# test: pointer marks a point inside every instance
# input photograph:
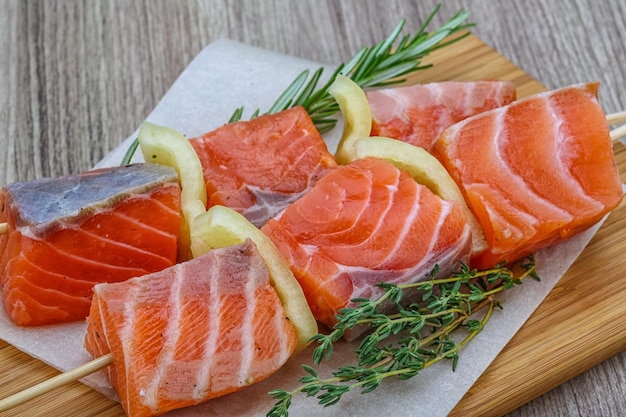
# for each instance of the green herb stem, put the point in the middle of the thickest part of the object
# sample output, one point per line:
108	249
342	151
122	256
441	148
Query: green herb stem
424	330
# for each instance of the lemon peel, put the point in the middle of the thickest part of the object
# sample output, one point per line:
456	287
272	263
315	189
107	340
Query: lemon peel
356	114
166	146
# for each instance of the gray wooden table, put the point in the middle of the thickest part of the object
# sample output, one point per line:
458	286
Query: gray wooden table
78	77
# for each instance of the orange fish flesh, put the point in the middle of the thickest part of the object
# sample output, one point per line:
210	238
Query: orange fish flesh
66	234
365	223
534	172
417	114
198	330
258	167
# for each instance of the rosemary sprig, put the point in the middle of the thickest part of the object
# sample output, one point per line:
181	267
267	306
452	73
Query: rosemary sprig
377	66
423	331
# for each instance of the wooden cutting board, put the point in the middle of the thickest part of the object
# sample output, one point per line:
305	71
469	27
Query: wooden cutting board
581	323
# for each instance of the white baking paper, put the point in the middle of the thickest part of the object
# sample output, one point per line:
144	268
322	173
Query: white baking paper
224	76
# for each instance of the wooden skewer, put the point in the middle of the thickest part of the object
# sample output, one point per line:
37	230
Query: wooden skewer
3	228
619	133
56	382
616	118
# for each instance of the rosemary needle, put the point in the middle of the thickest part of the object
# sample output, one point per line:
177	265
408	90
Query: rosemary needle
384	64
381	65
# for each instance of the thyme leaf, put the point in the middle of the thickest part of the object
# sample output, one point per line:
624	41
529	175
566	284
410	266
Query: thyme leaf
410	336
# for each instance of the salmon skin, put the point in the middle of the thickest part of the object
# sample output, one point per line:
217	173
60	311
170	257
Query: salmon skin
365	223
417	114
534	172
195	331
258	167
66	234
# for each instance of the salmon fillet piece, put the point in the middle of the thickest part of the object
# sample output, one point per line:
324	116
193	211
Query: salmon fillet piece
258	167
534	172
64	235
417	114
198	330
365	223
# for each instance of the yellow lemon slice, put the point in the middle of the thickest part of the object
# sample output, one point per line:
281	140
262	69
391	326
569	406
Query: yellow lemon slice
166	146
356	113
426	170
221	226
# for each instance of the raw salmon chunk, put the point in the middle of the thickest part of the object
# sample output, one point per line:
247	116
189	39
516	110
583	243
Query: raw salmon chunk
365	223
417	114
258	167
195	331
534	172
66	234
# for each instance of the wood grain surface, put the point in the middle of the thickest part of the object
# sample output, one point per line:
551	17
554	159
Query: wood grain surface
77	77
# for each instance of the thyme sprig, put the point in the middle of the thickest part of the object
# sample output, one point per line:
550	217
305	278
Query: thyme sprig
383	64
426	331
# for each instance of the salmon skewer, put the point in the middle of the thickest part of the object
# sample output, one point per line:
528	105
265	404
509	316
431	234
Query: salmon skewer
322	163
138	279
105	359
